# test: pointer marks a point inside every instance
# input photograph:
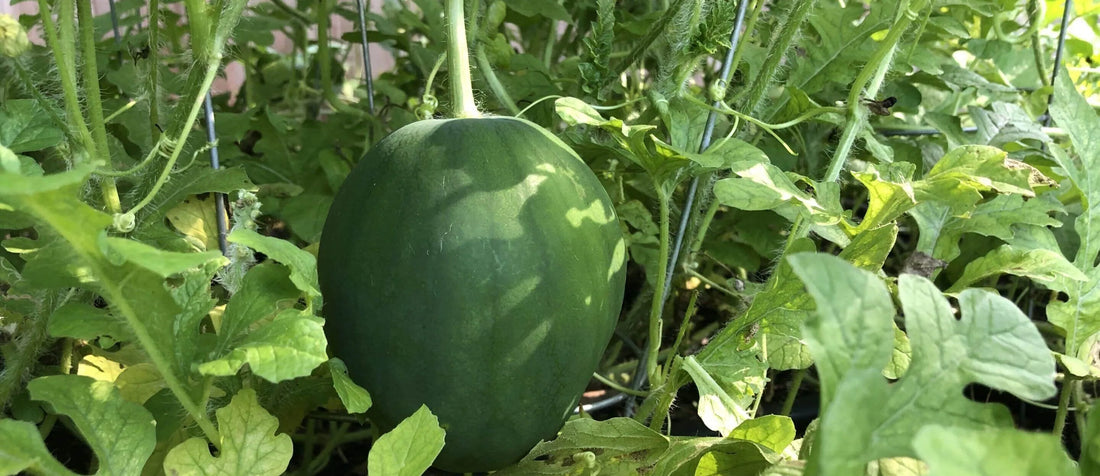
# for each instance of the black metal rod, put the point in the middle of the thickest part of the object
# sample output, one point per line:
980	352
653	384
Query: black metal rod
887	132
708	134
219	198
368	77
114	22
1058	56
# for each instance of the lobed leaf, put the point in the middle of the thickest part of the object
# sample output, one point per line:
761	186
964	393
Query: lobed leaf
248	446
863	418
1078	315
1043	266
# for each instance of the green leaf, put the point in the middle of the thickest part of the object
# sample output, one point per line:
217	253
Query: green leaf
1043	266
291	346
941	229
408	449
23	127
836	52
355	398
686	454
192	295
887	200
303	266
775	432
551	9
725	152
195	180
780	310
574	111
985	166
1074	115
723	406
951	451
623	445
122	434
1079	316
851	328
81	321
728	379
763	186
1076	367
22	449
665	165
863	418
249	445
162	263
264	291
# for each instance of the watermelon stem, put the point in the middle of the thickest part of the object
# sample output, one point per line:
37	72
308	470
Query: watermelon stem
462	90
656	324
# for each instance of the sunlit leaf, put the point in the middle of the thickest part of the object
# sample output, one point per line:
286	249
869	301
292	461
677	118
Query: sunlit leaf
408	449
249	445
951	451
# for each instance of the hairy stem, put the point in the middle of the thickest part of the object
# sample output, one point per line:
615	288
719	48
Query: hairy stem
494	83
655	321
61	39
95	106
750	25
792	394
867	85
458	62
688	314
785	36
1063	405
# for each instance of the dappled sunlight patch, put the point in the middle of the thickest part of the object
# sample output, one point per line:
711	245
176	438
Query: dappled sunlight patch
596	212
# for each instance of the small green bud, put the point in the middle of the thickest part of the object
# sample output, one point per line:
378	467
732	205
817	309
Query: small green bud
717	91
427	106
494	15
13	38
124	222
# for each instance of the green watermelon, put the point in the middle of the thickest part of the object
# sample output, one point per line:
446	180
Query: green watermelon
476	266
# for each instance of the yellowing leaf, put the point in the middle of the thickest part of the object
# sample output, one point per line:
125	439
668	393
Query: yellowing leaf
99	368
196	218
249	445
